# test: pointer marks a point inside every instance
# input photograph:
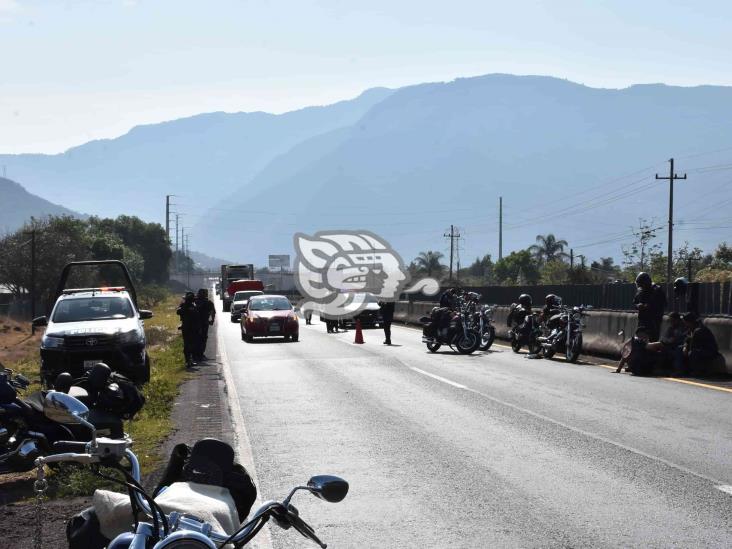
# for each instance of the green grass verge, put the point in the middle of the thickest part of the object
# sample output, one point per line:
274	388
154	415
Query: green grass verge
153	423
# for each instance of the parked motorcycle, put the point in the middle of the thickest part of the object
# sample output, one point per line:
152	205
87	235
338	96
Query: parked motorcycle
480	318
453	328
566	334
26	432
527	334
174	529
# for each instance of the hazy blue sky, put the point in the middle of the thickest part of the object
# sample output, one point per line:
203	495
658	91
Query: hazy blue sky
71	71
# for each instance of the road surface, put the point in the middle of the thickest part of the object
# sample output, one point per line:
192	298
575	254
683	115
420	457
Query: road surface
487	450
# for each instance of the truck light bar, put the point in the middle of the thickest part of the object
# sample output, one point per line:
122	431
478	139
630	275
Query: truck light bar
104	289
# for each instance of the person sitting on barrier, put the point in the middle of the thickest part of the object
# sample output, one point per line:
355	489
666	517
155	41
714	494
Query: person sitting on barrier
700	349
672	342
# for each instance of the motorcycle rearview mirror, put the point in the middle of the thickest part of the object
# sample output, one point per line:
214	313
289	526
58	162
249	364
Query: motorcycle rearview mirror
65	409
40	321
328	487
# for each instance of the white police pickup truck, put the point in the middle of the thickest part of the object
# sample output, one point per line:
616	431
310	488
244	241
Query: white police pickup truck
91	325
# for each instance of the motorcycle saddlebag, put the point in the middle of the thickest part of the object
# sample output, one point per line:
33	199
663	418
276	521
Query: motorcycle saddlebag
211	461
82	531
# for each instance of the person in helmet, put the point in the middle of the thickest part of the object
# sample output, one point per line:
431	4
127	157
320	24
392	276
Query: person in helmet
519	311
551	312
190	327
650	302
207	316
449	298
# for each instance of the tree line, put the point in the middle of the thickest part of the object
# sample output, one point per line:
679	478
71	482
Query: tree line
143	246
547	262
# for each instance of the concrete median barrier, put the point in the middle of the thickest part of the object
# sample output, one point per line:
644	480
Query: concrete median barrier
600	334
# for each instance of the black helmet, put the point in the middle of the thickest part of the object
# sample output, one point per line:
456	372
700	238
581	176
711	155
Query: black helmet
680	285
525	300
643	279
551	300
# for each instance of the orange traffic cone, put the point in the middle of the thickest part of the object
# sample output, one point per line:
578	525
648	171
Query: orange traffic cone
359	333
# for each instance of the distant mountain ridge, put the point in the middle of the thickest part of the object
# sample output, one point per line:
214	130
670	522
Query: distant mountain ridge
18	205
408	163
202	158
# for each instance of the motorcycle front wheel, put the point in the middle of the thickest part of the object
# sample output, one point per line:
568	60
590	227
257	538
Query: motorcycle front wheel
468	344
574	349
535	347
487	338
515	344
433	347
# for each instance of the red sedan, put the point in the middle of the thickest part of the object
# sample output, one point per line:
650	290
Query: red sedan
269	316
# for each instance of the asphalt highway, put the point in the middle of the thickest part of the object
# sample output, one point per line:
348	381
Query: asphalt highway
487	450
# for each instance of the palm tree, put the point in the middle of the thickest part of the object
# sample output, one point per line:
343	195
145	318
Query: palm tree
548	248
430	262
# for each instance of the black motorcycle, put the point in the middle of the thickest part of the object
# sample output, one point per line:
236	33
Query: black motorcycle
453	328
27	433
525	333
564	333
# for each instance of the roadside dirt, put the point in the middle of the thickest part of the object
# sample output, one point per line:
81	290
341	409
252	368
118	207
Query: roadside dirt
16	341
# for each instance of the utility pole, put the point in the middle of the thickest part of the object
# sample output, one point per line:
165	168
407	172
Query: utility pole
671	177
689	259
452	236
167	216
500	228
571	258
32	289
176	243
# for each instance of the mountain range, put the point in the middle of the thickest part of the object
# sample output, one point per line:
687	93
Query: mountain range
18	205
408	163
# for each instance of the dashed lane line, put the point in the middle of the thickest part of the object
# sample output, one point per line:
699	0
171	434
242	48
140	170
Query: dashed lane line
717	484
438	378
674	379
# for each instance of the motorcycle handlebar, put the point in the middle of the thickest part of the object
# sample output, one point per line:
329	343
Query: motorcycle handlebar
70	447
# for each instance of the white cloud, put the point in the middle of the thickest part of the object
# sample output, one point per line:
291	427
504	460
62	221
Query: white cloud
8	6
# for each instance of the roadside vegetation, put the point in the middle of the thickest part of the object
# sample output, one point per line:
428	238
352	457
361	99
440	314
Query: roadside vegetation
153	423
551	261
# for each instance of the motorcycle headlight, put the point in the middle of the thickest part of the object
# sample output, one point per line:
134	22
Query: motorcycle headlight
51	342
133	336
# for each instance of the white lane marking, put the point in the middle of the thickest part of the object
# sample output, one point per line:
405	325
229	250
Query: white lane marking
243	445
438	378
726	488
582	432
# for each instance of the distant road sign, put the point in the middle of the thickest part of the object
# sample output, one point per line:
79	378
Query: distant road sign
279	262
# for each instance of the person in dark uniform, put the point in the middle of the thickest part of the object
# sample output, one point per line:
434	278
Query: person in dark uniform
448	298
701	346
190	327
650	302
518	313
308	317
551	310
387	316
207	315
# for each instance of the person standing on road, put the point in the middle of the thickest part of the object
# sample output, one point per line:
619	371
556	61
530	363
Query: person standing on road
308	317
387	316
190	327
207	315
650	302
